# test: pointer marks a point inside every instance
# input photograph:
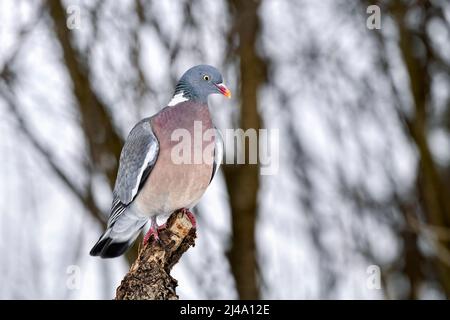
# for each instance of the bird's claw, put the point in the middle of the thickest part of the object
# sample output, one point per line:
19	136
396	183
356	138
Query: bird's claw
154	233
151	232
154	230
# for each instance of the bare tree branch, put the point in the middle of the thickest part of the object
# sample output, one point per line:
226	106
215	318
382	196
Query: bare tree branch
149	277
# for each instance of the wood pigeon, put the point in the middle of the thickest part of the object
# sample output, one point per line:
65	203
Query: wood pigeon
149	182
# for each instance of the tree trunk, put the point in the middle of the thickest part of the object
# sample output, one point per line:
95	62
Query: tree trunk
149	277
243	180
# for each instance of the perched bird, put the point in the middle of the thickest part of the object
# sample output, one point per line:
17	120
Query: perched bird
149	182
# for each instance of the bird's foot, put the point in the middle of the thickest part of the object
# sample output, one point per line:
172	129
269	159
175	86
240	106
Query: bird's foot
190	216
154	231
151	232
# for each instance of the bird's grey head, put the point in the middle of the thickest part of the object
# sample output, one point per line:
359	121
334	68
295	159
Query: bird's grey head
198	83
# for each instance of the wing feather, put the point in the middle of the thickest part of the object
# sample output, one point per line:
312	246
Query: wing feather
218	153
137	160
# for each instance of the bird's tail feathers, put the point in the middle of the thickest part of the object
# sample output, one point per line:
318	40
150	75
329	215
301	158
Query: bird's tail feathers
107	247
118	237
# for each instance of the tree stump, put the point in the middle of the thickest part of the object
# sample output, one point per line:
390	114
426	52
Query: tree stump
149	276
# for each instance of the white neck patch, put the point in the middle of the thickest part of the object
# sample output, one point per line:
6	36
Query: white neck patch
177	99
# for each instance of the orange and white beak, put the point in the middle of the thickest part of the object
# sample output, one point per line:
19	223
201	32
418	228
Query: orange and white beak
224	90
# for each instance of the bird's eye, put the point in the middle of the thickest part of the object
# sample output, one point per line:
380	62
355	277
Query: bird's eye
206	77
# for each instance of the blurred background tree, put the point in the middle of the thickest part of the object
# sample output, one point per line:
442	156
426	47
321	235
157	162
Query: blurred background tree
364	120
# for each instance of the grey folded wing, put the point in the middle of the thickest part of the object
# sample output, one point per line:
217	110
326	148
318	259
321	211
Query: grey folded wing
137	160
218	153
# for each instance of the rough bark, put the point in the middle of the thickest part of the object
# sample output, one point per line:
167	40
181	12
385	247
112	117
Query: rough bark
149	277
